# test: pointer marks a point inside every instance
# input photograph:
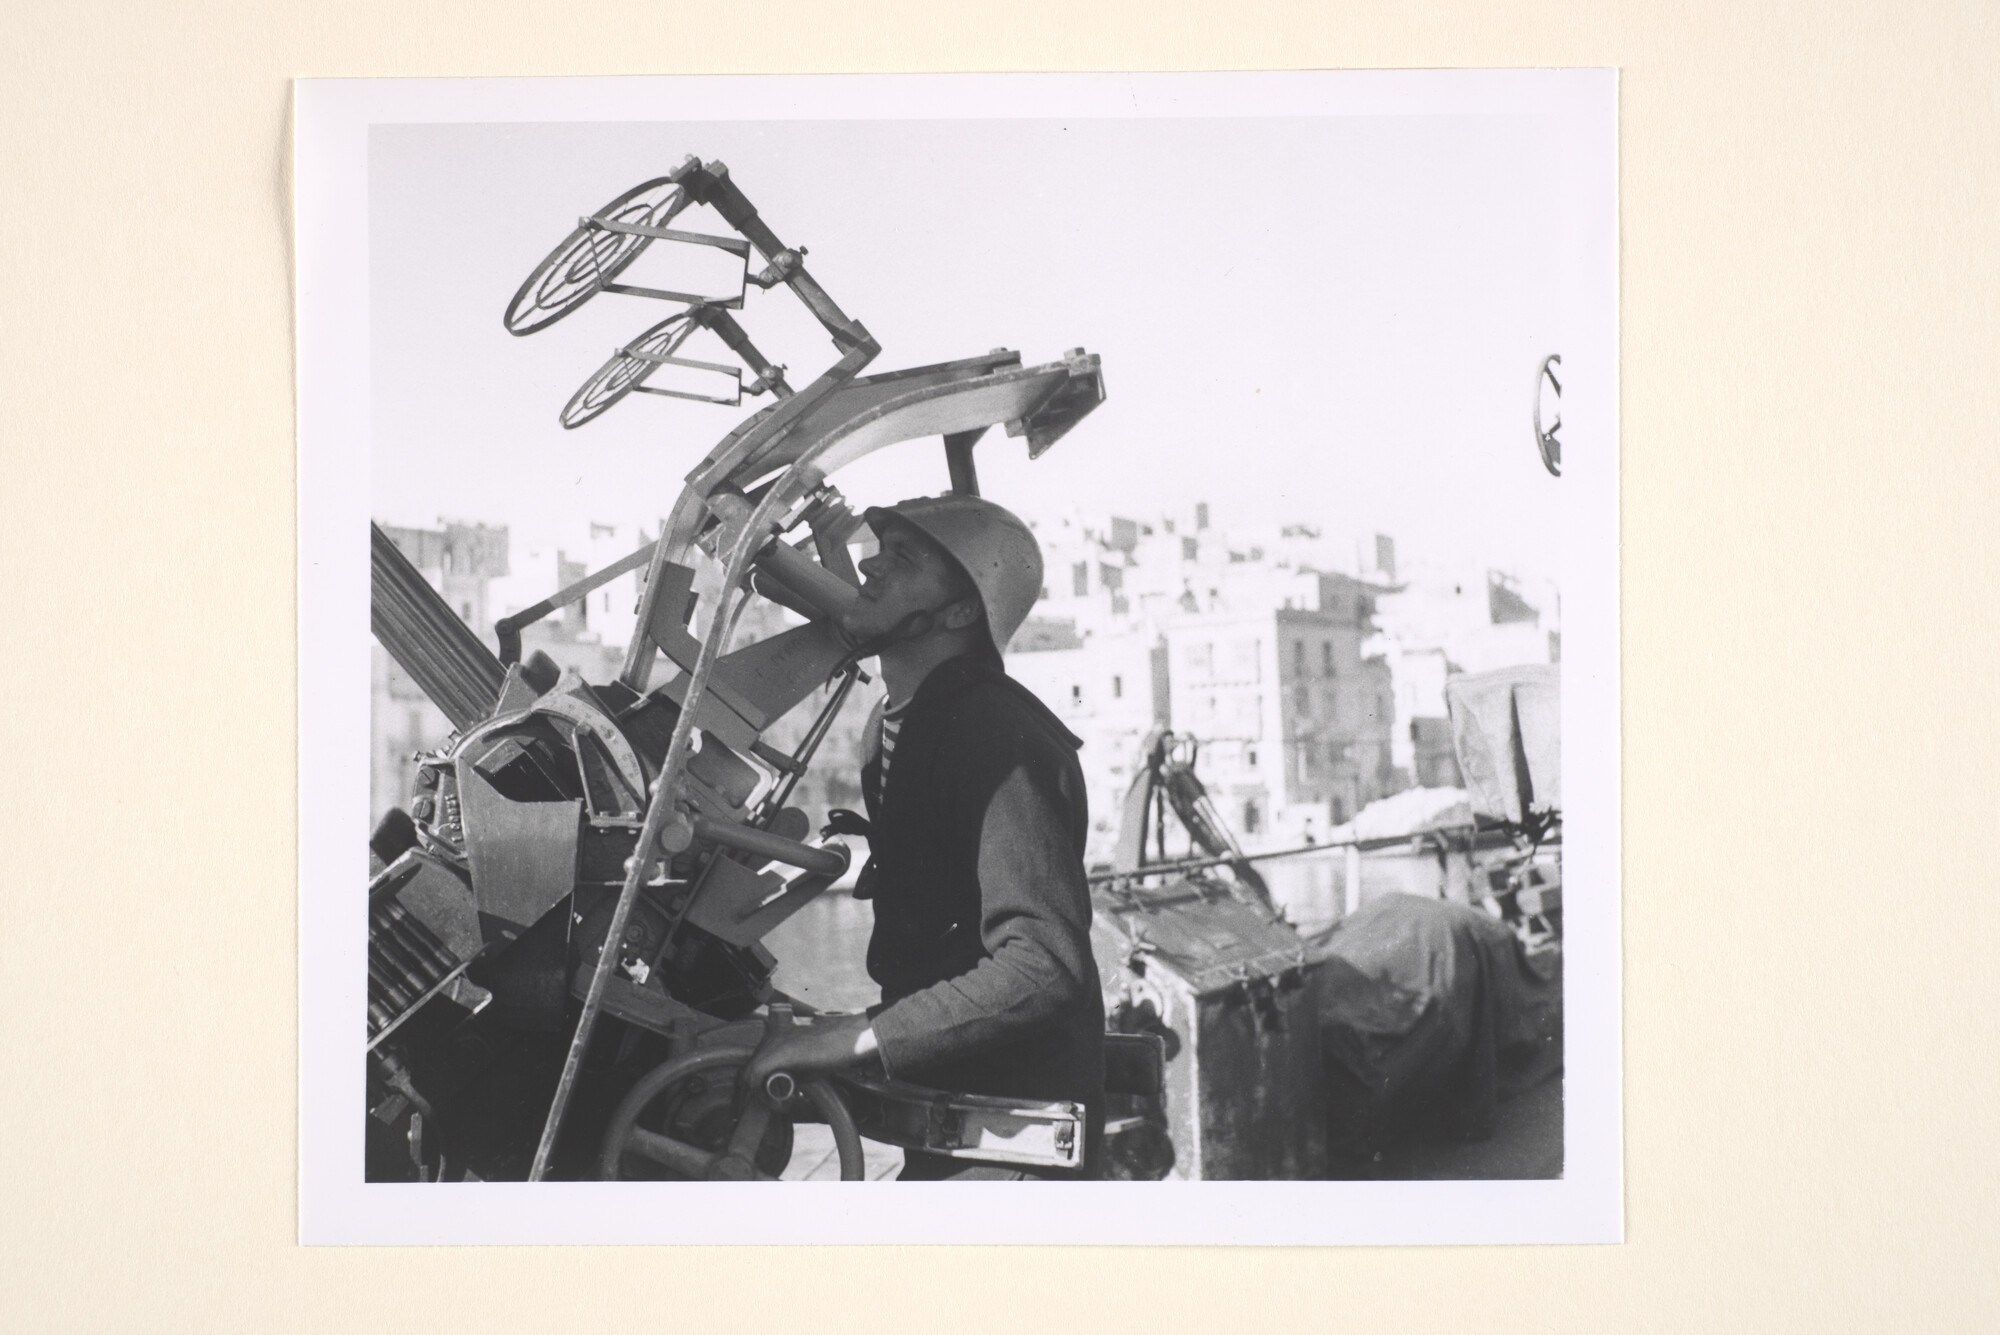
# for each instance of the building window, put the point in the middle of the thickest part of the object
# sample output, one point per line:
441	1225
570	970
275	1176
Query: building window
465	613
1075	694
1301	701
1244	657
1200	659
1250	817
1117	688
1044	594
1188	549
1326	657
1250	756
1298	658
1079	579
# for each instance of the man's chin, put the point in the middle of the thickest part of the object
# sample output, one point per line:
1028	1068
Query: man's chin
858	630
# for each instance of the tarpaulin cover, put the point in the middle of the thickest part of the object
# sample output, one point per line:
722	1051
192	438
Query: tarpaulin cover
1429	1014
1507	729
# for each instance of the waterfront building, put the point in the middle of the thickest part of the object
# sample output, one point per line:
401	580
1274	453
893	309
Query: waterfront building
1310	667
1447	618
606	615
1294	718
1249	642
1110	691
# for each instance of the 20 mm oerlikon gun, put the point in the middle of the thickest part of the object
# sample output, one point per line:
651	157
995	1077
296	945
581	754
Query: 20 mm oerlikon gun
590	866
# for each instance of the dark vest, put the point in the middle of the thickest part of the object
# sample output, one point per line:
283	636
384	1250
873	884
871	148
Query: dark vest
970	727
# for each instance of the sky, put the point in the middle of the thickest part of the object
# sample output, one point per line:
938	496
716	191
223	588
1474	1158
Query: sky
1331	320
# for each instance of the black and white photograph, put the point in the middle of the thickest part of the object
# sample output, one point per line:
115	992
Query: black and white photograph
959	629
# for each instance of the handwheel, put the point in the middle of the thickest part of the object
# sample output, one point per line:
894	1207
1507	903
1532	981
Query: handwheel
688	1120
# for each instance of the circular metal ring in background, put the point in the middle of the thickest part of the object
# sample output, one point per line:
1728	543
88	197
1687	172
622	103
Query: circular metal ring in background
587	258
1546	442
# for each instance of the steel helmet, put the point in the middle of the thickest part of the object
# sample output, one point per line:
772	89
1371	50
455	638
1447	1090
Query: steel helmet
994	548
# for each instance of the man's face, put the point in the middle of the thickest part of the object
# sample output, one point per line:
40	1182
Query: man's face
908	573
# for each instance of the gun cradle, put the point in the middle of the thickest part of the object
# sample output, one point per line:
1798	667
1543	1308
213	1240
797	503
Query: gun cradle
517	884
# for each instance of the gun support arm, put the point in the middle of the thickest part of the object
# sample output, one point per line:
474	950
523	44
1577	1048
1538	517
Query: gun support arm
745	839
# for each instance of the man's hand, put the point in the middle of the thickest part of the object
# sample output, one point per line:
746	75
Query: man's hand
827	1043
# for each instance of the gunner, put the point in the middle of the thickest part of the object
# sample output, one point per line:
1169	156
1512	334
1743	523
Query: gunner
976	826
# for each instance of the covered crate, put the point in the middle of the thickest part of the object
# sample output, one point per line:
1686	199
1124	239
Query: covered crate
1224	982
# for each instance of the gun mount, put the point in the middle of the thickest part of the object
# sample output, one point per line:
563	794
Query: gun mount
583	851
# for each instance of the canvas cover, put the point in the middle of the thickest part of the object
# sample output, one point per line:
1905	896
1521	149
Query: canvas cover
1506	726
1430	1013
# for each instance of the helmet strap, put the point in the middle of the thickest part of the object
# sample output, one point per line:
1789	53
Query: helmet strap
912	627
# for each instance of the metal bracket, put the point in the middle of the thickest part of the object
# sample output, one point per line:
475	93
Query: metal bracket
1020	1132
782	266
734	245
735	373
734	303
508	629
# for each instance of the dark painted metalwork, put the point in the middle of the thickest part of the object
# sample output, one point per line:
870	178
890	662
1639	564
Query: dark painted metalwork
427	639
579	841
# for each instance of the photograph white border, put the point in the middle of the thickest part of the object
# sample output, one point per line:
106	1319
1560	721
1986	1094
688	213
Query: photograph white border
337	1206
